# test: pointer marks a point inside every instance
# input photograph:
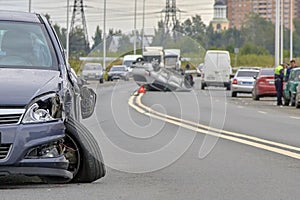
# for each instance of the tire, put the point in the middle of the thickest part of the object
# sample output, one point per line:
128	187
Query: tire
255	97
293	100
286	101
233	94
228	87
90	165
202	86
101	80
297	104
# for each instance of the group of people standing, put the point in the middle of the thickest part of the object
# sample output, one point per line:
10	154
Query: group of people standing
281	74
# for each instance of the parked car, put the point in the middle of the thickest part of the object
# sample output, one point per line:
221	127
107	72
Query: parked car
289	92
118	72
41	104
93	71
264	85
243	80
297	99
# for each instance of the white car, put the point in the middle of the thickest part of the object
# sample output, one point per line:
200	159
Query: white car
93	71
243	80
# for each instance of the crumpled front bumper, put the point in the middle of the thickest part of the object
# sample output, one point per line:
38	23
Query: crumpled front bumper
20	139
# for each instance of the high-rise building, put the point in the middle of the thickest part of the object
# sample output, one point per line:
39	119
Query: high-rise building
239	10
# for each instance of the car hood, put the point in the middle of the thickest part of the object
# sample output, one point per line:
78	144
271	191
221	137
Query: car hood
19	86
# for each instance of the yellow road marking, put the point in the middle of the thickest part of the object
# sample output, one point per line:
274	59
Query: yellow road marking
232	136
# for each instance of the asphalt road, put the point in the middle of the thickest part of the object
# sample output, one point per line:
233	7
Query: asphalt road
188	145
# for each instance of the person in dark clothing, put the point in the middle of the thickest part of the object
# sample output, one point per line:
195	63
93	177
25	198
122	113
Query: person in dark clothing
288	70
279	77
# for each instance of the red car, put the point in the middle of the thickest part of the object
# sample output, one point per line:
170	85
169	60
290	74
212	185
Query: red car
264	85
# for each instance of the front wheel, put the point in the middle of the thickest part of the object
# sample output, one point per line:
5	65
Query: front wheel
83	153
233	94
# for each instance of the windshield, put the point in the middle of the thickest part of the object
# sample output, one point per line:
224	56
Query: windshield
92	67
128	63
170	61
267	72
247	73
25	45
117	69
150	59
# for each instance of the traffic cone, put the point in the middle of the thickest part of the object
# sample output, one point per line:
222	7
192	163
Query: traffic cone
142	90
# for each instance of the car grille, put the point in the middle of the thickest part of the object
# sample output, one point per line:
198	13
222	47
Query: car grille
4	150
10	116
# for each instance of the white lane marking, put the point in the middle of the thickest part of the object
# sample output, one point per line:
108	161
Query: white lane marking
262	112
240	106
216	132
292	117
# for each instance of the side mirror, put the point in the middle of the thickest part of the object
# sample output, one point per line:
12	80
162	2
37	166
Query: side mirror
88	102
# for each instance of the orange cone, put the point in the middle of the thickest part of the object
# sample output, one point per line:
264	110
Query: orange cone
142	90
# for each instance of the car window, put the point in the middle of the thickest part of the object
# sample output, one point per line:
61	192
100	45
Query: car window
117	69
25	45
267	72
297	75
92	67
247	73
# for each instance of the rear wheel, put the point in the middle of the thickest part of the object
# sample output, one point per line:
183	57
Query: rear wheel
255	96
293	100
101	80
233	94
202	86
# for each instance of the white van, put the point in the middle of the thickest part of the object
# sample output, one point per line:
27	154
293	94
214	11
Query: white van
129	59
216	69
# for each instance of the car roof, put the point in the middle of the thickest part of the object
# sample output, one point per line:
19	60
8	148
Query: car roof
249	69
6	15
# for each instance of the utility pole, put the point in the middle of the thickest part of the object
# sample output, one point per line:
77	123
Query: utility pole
170	14
281	31
291	29
78	20
68	32
29	6
277	33
104	36
134	39
143	27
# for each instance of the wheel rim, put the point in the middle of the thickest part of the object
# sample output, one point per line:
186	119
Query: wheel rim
72	154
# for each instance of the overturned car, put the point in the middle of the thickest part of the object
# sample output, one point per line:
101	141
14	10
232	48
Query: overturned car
41	104
157	78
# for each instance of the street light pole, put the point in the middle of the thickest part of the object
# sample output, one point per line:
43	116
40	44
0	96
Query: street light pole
29	6
281	32
291	29
134	39
104	36
277	34
143	27
68	32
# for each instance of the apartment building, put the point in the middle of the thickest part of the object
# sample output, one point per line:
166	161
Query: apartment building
239	10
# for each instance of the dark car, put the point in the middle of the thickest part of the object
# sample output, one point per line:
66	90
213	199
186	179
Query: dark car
264	84
41	104
118	72
289	92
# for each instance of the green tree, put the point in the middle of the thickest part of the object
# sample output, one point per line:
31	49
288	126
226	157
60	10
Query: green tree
78	44
259	31
195	28
97	38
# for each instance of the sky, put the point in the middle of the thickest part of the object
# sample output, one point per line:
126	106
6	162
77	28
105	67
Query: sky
120	13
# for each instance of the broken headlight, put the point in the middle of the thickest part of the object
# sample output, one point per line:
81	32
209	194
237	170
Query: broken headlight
43	109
